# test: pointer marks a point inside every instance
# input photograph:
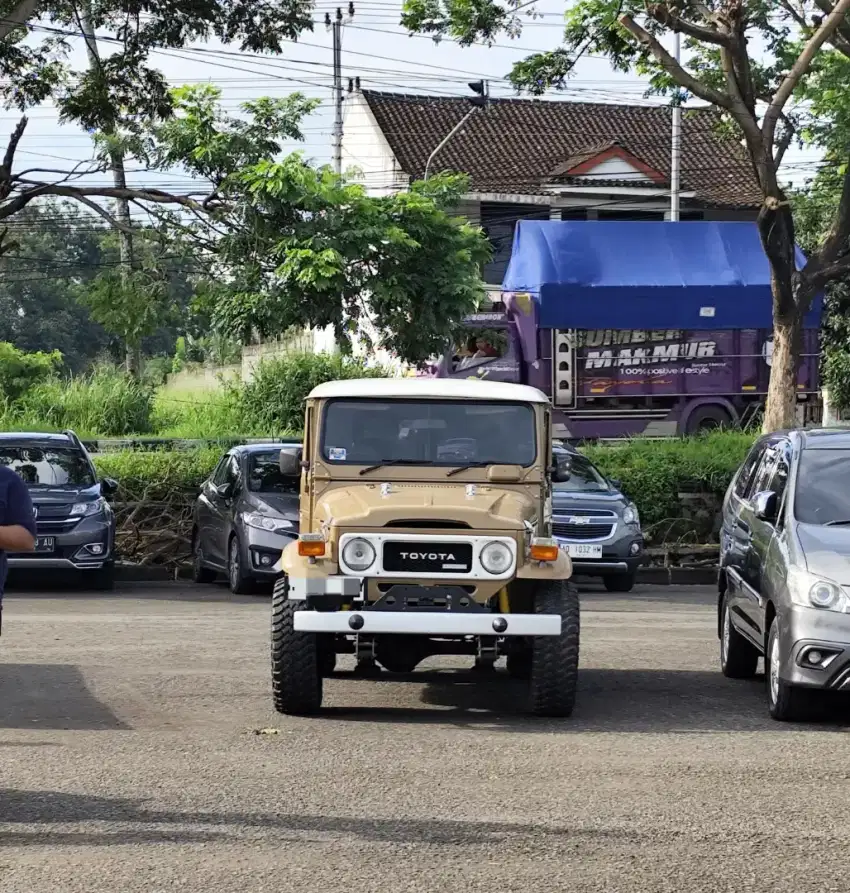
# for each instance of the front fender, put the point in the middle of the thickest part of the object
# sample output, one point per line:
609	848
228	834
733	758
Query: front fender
562	569
294	565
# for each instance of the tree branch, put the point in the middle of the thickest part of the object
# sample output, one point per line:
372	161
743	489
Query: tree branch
673	68
661	13
18	17
800	67
784	141
836	242
14	139
841	38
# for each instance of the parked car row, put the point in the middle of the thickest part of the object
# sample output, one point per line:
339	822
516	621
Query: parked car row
248	510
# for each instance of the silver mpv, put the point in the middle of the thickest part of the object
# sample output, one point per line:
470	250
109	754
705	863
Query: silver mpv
784	585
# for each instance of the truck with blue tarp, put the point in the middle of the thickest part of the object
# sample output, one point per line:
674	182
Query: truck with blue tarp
635	327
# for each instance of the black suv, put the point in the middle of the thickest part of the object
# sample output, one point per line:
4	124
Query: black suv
75	526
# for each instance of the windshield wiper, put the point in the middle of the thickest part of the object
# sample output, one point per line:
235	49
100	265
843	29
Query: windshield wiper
385	462
480	464
838	523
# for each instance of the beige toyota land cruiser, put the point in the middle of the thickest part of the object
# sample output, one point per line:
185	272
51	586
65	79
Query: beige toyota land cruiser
425	529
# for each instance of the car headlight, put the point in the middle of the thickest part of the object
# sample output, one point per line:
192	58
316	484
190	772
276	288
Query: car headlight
630	515
813	591
496	558
358	554
267	522
84	509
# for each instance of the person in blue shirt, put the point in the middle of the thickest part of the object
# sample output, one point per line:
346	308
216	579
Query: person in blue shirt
17	523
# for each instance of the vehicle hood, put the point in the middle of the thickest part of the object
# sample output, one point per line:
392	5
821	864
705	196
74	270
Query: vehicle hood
826	551
63	495
278	505
565	501
482	506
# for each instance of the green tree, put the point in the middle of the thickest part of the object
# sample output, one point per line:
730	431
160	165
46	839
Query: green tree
747	60
292	245
19	371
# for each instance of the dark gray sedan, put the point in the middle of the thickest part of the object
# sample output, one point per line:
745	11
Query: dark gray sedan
247	511
785	567
596	524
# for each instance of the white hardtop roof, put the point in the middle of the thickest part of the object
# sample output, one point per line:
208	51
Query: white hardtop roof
428	388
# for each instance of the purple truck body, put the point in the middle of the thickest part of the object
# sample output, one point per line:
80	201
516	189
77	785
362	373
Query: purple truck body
615	383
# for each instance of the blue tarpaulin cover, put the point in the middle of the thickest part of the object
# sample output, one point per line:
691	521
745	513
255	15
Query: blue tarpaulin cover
645	275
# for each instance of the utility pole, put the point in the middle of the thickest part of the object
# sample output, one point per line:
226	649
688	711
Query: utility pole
119	179
335	27
480	100
676	147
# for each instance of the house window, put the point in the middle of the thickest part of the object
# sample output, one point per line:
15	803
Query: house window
573	213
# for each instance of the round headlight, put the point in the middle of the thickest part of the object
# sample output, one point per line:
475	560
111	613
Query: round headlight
358	554
823	594
496	558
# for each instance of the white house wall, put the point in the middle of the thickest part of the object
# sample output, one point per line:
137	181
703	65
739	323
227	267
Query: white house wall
365	148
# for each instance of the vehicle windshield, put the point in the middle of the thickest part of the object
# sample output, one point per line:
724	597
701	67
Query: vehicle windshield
584	478
264	474
48	466
478	346
822	494
428	432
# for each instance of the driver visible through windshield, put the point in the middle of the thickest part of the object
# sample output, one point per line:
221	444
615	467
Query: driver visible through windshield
441	433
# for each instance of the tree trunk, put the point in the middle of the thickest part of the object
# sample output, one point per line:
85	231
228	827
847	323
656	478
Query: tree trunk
776	228
780	411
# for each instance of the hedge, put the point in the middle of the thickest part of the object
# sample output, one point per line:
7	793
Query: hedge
677	486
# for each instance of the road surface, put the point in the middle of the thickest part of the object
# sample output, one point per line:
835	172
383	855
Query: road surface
139	752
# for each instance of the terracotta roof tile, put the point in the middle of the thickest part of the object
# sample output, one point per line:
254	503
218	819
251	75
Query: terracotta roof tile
515	145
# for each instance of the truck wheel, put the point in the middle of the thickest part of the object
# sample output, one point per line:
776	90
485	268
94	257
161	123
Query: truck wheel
327	656
708	418
738	658
554	659
296	680
240	582
620	582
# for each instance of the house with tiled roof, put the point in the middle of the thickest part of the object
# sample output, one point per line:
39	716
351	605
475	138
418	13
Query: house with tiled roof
550	159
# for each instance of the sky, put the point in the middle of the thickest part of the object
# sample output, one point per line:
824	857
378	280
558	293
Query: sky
375	49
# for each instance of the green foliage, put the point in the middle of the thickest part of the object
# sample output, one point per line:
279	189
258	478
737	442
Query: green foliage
306	249
20	371
105	403
273	401
212	414
158	475
654	472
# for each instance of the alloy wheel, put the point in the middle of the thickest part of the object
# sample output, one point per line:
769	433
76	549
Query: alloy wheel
773	678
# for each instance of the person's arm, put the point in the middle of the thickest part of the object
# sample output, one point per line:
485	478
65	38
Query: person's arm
17	534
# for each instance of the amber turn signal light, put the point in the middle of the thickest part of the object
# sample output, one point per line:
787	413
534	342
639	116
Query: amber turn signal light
311	548
544	550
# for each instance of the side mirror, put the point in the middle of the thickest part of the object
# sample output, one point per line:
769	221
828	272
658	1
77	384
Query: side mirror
617	485
108	487
560	468
290	461
766	504
225	491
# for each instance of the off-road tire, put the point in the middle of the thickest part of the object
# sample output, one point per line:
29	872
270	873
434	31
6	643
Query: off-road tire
620	582
200	574
789	704
738	657
239	582
554	659
327	656
296	680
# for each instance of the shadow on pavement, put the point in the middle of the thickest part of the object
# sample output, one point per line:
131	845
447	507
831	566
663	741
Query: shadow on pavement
609	700
50	696
135	823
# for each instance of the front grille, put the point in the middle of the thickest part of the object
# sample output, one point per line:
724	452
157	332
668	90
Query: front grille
51	528
582	531
53	511
52	518
427	558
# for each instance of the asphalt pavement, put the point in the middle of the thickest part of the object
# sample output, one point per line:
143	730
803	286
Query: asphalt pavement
139	752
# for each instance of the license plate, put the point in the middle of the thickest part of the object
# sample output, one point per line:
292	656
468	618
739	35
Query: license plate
45	544
582	550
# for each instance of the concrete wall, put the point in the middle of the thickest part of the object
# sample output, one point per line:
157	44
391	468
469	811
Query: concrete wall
201	379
